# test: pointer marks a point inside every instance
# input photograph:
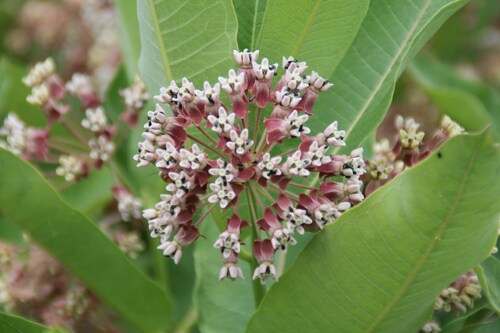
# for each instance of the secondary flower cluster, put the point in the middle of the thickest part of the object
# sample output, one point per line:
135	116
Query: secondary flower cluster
88	143
211	154
460	295
405	149
34	284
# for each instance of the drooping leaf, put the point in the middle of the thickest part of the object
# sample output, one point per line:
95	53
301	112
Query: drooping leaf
128	30
250	14
391	33
223	306
29	201
15	324
489	275
472	104
381	265
316	31
179	38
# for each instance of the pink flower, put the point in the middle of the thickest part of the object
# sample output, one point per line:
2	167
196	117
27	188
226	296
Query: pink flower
280	236
234	85
264	74
292	126
264	253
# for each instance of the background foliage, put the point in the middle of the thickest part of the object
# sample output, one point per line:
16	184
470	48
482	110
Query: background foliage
380	267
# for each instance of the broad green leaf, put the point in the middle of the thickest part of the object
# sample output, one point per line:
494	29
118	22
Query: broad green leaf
15	324
316	31
223	306
391	33
193	39
489	275
250	14
29	201
128	29
10	232
472	104
381	265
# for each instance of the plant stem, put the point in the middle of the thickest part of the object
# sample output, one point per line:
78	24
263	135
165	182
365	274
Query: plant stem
262	141
205	214
207	135
281	263
69	126
62	149
208	147
291	195
251	204
266	194
160	268
256	196
159	265
188	321
302	186
256	128
259	290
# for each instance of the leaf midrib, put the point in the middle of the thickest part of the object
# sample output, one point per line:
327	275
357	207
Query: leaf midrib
256	9
388	70
384	76
307	29
411	278
161	46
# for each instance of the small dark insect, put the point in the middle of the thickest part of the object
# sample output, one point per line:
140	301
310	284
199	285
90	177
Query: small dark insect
439	154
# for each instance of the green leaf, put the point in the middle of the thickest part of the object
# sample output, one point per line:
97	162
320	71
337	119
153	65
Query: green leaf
193	39
113	102
472	104
223	306
13	94
381	265
128	29
10	232
486	327
54	330
391	33
29	201
489	275
316	31
250	14
90	195
479	313
14	324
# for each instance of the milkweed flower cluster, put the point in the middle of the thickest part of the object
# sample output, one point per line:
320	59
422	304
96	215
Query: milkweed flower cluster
211	154
34	284
405	149
90	142
87	145
460	294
